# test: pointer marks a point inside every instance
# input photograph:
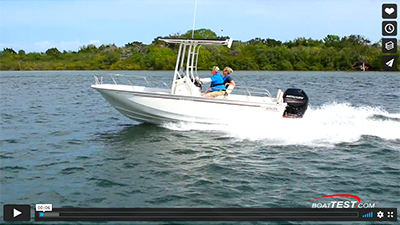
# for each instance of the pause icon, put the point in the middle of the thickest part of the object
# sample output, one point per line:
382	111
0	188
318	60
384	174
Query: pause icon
368	215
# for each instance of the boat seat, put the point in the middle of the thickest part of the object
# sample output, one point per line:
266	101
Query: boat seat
229	90
279	96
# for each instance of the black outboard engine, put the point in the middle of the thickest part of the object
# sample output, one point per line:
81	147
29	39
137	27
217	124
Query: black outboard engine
297	103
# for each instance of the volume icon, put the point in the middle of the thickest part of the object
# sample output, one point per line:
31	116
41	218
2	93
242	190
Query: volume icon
368	215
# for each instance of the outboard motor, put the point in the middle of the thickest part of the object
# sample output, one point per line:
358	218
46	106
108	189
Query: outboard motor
297	103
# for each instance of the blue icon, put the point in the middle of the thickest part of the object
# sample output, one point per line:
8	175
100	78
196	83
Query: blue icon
42	214
368	215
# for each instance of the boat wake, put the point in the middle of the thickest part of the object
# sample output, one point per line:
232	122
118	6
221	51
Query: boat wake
325	125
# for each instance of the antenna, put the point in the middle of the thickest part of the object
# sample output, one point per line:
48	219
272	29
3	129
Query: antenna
194	18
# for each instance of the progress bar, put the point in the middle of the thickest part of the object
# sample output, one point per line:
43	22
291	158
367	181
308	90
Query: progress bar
215	214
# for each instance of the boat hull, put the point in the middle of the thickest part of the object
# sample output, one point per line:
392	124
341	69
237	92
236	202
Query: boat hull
164	107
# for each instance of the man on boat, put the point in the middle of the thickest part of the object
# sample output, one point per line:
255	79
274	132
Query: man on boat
228	81
217	83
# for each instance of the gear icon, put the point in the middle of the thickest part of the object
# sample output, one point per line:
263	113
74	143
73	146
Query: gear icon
380	214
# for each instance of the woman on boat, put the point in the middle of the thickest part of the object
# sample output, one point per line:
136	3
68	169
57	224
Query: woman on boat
228	81
217	83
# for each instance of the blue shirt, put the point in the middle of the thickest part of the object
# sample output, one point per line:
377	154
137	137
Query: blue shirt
217	83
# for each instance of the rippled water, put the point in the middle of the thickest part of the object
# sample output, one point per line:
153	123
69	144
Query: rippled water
62	143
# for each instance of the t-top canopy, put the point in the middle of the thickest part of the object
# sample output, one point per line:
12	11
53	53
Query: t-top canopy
227	42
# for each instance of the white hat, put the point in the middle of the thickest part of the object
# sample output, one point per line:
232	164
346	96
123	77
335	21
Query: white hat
216	68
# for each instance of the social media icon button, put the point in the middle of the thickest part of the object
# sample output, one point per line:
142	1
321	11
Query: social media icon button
389	45
389	62
389	11
389	28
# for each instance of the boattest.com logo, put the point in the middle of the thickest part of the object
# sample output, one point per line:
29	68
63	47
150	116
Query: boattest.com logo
355	202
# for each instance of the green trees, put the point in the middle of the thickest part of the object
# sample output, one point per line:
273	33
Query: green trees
200	34
330	53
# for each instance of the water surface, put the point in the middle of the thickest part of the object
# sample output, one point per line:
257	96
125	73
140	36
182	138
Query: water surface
62	143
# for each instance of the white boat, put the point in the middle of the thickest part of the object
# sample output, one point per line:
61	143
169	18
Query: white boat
185	101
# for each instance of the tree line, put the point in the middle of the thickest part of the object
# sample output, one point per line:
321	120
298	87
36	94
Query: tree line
332	53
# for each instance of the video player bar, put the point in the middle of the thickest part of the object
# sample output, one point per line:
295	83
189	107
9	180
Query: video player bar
216	214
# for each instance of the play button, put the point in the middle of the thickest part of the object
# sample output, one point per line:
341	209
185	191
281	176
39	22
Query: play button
17	212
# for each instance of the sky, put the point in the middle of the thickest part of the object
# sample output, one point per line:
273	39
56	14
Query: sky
37	25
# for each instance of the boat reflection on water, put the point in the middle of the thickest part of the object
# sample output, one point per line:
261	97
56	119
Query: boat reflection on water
132	133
